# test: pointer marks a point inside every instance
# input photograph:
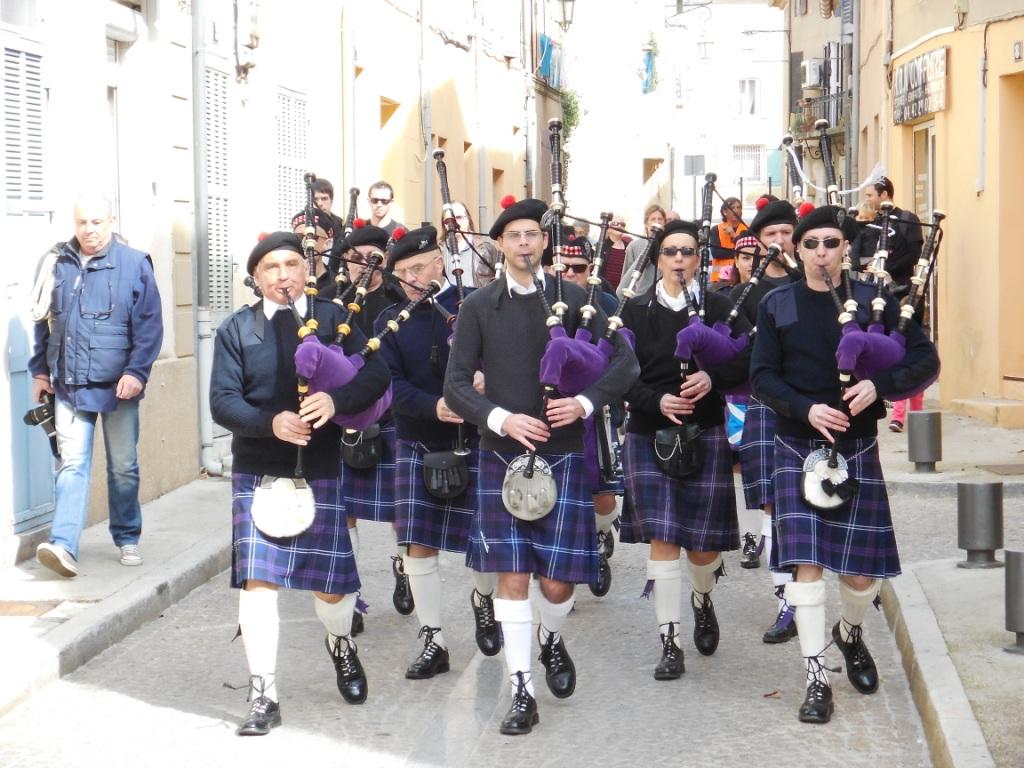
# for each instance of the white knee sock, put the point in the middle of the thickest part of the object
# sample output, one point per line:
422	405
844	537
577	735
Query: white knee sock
516	617
553	615
425	583
855	604
668	594
336	617
605	522
484	583
260	623
808	597
703	577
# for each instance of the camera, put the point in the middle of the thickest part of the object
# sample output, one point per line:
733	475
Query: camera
42	415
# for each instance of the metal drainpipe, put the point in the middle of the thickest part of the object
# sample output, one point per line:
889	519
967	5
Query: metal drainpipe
482	216
428	185
853	152
201	244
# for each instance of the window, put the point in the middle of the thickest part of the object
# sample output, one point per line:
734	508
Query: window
219	274
292	130
748	96
23	133
749	160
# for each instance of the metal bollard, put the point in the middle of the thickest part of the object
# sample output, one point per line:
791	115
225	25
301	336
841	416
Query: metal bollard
924	439
979	510
1015	599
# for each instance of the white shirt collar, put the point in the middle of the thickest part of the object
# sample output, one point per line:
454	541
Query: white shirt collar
515	287
676	303
271	307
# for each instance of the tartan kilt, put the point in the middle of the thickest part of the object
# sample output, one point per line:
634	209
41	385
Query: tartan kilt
598	485
423	519
757	452
858	540
370	493
697	513
320	558
561	546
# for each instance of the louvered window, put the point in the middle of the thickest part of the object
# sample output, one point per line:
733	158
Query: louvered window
749	158
217	186
24	189
292	132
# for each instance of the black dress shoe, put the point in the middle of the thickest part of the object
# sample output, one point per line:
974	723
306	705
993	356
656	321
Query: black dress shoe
606	543
351	677
264	714
784	628
402	597
751	554
488	633
358	625
860	667
561	672
817	706
600	587
433	660
522	715
705	626
672	665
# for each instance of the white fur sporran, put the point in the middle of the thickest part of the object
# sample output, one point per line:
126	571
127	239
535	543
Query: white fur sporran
823	487
282	507
529	498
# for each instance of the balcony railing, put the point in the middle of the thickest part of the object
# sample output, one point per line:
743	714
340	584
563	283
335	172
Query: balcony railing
833	107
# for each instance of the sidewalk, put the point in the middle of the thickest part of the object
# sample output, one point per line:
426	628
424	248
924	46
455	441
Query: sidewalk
948	622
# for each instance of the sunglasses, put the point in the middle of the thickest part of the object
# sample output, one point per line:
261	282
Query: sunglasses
578	269
685	250
380	200
812	243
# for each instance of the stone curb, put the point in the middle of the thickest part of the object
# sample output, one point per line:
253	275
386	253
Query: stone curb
955	739
89	633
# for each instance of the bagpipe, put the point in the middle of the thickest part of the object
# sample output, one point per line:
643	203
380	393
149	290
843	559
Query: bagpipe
337	266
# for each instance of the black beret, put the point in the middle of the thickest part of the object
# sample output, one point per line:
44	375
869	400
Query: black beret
775	212
826	216
368	235
413	243
530	208
275	241
321	219
691	228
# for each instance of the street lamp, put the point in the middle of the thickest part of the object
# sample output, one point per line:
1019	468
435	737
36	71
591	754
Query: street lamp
568	6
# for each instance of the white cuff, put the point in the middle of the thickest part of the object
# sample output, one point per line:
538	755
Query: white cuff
495	420
588	407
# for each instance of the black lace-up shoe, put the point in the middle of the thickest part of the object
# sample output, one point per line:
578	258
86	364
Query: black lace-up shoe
402	597
522	715
751	555
860	667
561	672
671	666
433	660
817	706
351	677
264	714
784	628
488	633
600	587
705	625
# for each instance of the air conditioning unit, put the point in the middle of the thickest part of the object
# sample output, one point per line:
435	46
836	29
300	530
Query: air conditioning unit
812	73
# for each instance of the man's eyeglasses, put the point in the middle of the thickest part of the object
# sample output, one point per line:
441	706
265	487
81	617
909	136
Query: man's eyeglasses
529	236
685	250
578	269
380	200
812	243
619	224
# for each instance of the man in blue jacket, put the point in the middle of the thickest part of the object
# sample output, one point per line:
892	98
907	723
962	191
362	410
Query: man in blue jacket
95	352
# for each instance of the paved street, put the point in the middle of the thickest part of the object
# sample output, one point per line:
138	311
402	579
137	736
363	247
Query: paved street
167	694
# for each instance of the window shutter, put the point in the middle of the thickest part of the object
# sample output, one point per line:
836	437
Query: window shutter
292	158
217	187
24	190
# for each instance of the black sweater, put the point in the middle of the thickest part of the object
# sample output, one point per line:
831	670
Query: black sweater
764	286
254	379
655	328
793	365
507	335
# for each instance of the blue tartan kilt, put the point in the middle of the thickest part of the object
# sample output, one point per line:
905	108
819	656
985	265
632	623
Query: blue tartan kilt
320	558
757	452
561	546
424	519
370	493
697	513
857	540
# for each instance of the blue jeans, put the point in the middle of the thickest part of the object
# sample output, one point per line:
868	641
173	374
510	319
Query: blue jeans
75	437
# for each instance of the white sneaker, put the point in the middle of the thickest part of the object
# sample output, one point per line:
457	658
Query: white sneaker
130	555
57	559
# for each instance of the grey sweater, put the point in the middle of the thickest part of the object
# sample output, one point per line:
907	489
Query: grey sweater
506	336
634	253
